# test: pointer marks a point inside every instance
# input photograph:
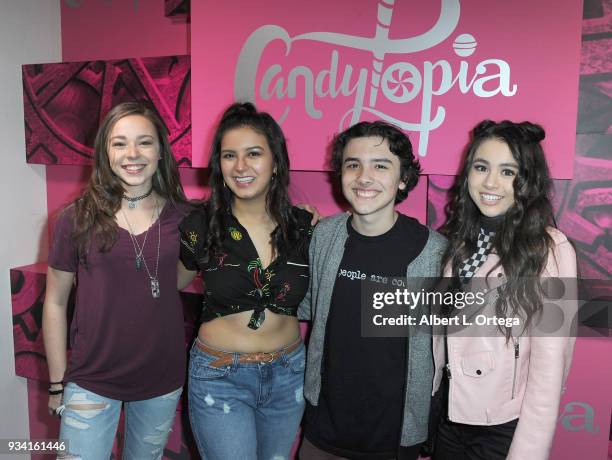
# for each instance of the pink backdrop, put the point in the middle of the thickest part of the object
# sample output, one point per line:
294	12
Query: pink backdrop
116	29
434	68
140	28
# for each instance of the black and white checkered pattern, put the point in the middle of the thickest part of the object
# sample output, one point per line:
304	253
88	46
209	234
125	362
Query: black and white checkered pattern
483	247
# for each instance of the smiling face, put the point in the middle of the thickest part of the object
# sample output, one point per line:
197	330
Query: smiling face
247	163
133	153
491	177
370	176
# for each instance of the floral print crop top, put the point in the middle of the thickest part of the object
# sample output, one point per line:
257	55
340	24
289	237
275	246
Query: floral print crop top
235	280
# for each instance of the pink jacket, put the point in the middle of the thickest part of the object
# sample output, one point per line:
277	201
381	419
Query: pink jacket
493	382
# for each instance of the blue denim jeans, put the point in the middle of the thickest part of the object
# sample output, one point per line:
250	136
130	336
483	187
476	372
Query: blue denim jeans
89	424
246	411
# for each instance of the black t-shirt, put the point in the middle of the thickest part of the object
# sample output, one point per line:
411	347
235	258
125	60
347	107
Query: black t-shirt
360	408
234	277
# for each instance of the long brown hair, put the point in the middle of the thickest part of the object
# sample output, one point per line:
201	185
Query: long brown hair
95	209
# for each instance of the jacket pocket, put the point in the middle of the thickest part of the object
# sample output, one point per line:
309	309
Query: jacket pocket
478	364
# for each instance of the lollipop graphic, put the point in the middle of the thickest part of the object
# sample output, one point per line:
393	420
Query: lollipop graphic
381	44
400	89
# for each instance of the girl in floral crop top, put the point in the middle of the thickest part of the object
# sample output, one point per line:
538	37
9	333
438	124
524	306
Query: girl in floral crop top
251	248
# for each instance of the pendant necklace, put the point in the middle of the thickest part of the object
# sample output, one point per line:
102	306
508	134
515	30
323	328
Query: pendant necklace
139	251
137	248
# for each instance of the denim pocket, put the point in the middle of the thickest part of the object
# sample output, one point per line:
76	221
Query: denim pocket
200	367
297	361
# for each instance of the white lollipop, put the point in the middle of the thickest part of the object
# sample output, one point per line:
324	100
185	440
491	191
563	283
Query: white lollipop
464	45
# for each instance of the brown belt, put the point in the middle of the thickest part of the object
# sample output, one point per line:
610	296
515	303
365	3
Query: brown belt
225	358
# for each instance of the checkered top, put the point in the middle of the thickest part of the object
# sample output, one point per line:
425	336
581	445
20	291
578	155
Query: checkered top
475	261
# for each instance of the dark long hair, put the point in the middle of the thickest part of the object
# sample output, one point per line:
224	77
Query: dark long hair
522	242
95	209
278	204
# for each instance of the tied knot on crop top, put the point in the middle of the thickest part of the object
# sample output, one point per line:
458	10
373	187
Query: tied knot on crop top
235	279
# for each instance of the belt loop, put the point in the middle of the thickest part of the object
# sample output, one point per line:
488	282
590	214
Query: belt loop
235	360
284	358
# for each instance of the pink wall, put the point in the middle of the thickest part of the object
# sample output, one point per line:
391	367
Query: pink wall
584	421
101	29
115	29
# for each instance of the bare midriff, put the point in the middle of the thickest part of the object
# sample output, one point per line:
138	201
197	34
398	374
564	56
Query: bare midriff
230	333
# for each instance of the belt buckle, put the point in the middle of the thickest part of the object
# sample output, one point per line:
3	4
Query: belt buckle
270	359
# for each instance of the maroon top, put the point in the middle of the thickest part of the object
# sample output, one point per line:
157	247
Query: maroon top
126	345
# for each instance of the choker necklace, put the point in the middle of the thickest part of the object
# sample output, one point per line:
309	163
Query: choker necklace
491	224
132	201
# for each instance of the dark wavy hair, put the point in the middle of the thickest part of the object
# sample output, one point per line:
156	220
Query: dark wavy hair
399	145
278	204
522	242
95	209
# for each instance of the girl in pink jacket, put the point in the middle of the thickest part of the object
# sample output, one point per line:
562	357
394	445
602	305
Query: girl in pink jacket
501	366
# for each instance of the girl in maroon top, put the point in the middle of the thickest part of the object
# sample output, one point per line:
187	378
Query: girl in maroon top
119	242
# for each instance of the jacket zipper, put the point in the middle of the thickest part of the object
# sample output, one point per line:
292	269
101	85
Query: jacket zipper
448	376
516	357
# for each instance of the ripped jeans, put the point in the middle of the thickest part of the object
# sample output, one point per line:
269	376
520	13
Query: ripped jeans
246	411
89	424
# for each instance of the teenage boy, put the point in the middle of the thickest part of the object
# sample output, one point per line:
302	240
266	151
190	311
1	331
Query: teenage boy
367	397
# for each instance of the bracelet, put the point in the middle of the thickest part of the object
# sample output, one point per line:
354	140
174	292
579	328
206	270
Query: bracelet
55	392
56	383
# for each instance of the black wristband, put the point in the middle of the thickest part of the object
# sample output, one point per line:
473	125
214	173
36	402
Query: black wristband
56	383
55	392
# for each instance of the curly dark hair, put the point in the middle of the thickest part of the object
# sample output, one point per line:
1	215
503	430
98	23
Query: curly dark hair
399	145
95	209
522	242
278	204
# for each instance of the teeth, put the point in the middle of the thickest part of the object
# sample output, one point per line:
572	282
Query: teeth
244	180
490	197
134	167
366	193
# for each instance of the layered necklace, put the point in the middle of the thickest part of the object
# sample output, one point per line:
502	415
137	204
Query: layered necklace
139	250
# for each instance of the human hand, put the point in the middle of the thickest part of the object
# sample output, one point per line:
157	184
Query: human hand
316	216
55	401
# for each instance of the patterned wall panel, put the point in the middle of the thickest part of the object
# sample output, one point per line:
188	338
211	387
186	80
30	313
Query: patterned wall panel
585	212
176	8
28	293
65	102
